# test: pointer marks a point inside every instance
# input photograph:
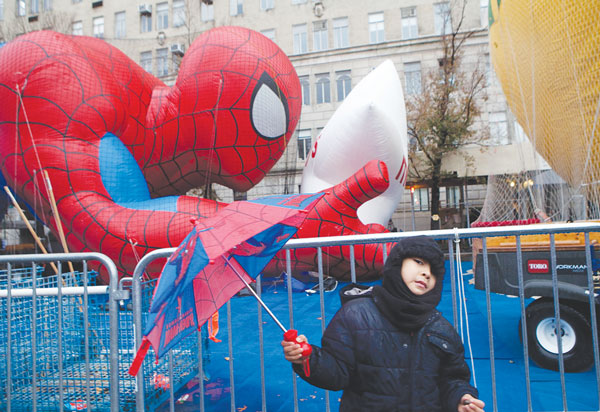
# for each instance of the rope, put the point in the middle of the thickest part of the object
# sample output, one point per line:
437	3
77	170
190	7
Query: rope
133	244
33	143
463	304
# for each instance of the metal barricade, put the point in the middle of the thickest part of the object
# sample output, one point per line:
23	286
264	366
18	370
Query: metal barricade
47	337
453	238
68	343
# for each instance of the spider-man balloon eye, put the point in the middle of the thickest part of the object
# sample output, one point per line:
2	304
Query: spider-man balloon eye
269	110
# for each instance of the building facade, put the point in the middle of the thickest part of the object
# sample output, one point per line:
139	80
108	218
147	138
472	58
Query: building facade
333	44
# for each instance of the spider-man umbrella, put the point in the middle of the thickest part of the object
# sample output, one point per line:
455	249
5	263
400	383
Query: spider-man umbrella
220	256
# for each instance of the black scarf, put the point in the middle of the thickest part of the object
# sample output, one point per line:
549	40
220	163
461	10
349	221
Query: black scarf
398	304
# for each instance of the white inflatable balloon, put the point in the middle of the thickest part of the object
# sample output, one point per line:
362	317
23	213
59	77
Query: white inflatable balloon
369	124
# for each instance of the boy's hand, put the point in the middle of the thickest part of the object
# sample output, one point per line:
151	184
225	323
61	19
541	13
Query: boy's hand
470	404
293	351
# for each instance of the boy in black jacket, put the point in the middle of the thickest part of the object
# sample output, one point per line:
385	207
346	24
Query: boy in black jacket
390	349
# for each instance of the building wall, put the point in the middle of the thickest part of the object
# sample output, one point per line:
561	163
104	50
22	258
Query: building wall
358	57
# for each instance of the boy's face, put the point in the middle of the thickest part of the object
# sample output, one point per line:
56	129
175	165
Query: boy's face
416	274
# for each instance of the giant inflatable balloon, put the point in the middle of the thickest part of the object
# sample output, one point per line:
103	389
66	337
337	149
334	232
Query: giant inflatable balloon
369	124
546	54
85	128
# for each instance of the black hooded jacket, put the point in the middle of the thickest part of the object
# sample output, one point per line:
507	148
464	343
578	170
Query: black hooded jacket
383	367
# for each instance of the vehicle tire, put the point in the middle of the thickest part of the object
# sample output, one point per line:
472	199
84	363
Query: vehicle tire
576	330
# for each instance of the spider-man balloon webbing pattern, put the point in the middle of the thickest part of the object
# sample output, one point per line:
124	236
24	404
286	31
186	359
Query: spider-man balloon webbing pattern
120	148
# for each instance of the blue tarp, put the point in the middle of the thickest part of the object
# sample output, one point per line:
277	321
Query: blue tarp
581	388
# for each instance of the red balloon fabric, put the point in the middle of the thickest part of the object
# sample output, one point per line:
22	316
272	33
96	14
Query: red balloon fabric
120	148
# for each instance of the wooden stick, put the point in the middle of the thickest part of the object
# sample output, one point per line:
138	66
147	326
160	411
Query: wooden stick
39	242
57	220
31	230
54	211
63	241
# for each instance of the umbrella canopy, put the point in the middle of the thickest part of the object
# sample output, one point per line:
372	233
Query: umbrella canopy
213	262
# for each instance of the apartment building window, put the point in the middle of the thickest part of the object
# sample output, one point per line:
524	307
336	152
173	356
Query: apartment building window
520	135
178	13
305	86
483	12
413	143
498	128
269	33
410	27
340	32
487	69
412	78
376	28
98	27
320	38
323	88
421	197
146	61
267	4
299	32
298	1
162	62
21	8
304	143
442	19
162	16
47	5
490	75
236	7
145	23
450	76
77	28
120	27
453	197
176	62
207	12
344	84
34	6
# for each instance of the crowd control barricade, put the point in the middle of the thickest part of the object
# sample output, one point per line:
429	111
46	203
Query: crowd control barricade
68	342
46	334
583	293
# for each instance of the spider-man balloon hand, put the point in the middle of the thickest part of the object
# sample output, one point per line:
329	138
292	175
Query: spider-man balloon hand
113	138
335	215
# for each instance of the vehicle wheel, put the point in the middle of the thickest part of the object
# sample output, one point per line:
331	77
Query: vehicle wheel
576	332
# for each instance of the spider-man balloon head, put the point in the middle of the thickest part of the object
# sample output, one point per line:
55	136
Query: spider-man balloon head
234	107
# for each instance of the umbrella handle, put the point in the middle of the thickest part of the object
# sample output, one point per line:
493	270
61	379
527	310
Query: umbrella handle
292	336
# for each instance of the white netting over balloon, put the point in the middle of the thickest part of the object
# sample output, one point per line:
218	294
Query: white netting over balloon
546	55
532	197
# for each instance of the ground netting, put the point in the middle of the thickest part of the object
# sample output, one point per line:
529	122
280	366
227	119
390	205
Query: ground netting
45	356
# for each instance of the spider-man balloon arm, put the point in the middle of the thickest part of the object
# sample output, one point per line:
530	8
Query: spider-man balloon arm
115	215
336	214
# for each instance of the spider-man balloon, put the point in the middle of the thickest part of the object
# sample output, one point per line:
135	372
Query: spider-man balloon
119	147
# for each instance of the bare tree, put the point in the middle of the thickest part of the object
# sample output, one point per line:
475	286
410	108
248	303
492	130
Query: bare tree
191	18
47	20
13	28
441	118
59	21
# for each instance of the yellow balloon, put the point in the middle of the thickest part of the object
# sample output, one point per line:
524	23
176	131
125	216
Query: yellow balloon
546	54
